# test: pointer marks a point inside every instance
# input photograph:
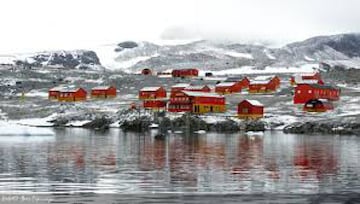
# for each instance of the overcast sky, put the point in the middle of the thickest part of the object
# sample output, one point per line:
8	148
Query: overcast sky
35	25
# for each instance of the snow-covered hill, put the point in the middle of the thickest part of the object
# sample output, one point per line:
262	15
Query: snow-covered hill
340	50
343	50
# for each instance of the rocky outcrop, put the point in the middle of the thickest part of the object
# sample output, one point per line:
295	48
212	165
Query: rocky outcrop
100	123
327	127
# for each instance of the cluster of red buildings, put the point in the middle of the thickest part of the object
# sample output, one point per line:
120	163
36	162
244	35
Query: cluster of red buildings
264	86
66	94
311	91
232	87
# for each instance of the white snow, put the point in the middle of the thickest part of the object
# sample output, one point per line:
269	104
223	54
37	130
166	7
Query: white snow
77	123
264	78
153	125
269	55
225	84
7	60
101	88
200	132
10	129
181	85
267	70
150	88
254	133
308	58
36	122
239	54
254	102
202	94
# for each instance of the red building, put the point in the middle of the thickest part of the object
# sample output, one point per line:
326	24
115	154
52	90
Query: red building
318	105
228	87
276	81
306	92
154	104
197	102
306	78
245	82
199	88
185	73
250	109
148	93
103	92
262	87
75	94
179	87
54	93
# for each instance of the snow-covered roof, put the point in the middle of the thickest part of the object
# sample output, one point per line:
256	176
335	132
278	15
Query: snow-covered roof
70	90
101	87
58	88
306	81
202	94
225	84
258	82
150	88
264	78
254	102
306	74
181	85
195	87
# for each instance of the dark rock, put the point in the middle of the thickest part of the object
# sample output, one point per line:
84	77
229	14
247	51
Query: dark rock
59	122
226	126
160	136
327	127
139	124
101	123
128	44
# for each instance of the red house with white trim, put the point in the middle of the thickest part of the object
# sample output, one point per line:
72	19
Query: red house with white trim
228	87
197	102
305	92
250	109
156	104
103	92
54	93
148	93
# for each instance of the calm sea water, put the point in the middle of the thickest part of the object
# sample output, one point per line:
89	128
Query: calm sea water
114	167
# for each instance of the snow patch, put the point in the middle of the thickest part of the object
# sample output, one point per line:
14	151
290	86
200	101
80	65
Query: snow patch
239	54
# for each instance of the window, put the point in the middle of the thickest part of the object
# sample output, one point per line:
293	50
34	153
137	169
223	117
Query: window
310	91
298	91
245	110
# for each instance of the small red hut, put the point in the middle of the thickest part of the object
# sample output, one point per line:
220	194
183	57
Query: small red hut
75	94
197	102
250	109
276	81
305	92
185	73
103	92
228	87
318	105
198	88
147	93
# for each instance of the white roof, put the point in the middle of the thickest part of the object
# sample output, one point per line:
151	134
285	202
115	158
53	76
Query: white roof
202	94
259	82
58	88
69	90
264	78
225	84
150	88
195	87
180	85
254	102
306	74
101	87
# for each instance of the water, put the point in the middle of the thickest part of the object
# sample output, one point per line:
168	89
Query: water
93	167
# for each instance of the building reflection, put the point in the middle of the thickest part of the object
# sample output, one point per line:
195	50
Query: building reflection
315	159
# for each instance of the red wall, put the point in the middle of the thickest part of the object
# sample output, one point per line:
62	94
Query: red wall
160	93
184	72
305	92
251	109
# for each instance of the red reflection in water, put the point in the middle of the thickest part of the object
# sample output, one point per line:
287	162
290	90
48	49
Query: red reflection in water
315	159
